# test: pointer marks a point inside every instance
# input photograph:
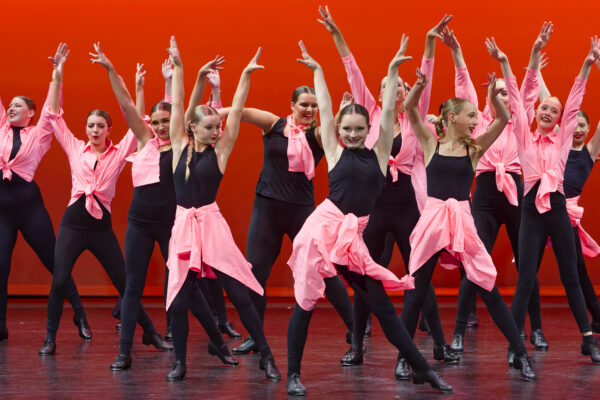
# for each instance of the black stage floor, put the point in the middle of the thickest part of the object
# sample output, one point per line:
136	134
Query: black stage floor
81	370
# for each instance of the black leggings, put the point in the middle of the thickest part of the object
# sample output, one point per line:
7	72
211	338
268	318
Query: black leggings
397	221
213	292
139	245
372	293
491	210
589	294
271	219
534	232
191	297
70	243
32	219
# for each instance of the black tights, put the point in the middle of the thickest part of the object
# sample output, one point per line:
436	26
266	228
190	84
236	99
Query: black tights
534	232
589	294
32	219
70	243
213	292
374	296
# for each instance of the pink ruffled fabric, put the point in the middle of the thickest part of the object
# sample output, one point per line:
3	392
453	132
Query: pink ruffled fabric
449	225
589	246
201	240
330	237
549	181
300	156
145	164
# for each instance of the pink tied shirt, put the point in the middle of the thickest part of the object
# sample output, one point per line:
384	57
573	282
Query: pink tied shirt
201	240
543	158
145	164
410	158
589	246
35	142
449	225
300	157
87	180
330	237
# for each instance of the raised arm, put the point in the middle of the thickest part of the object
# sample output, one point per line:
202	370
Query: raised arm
225	144
141	130
383	145
463	86
214	80
594	144
424	135
167	73
58	61
140	101
198	92
331	146
177	127
544	91
332	28
433	34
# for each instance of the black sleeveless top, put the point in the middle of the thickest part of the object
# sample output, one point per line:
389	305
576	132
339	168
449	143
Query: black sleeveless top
203	183
17	191
275	180
577	170
449	176
391	190
356	181
156	202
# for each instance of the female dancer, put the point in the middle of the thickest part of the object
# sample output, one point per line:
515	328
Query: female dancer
396	211
330	242
446	221
22	147
201	241
86	224
543	156
499	188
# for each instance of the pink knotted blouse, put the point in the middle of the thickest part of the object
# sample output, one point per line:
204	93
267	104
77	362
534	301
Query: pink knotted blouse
300	156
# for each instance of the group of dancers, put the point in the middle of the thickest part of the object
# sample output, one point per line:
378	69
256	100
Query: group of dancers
397	175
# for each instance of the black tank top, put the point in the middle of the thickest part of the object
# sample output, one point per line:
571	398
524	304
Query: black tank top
356	181
449	176
577	170
203	183
275	180
156	202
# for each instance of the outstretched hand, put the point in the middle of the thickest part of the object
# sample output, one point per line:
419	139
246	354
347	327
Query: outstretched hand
399	58
139	75
173	51
212	65
347	99
494	50
448	38
594	53
327	20
214	80
543	61
59	59
422	79
253	65
544	35
437	30
307	59
99	57
493	91
167	69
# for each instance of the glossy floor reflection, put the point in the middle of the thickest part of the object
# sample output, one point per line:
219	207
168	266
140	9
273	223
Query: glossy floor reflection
81	370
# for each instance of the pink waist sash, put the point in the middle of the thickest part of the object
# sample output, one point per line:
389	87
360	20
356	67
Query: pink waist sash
589	247
548	184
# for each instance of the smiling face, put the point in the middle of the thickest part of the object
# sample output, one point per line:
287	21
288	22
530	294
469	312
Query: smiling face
305	108
581	131
465	120
160	120
97	130
19	113
353	130
548	114
207	129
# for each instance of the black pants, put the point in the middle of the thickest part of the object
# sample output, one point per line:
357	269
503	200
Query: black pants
491	210
374	296
589	293
139	245
213	292
70	243
534	232
190	297
399	222
32	219
271	220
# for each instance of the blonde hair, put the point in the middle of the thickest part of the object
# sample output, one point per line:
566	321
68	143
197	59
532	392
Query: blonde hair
454	105
198	113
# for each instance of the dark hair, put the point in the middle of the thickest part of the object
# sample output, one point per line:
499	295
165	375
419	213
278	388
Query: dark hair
100	113
441	108
582	113
30	103
161	106
299	90
352	109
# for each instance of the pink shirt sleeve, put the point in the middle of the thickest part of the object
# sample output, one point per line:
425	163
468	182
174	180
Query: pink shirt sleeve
127	145
569	117
169	99
519	117
530	91
62	133
3	116
463	86
217	105
427	69
359	89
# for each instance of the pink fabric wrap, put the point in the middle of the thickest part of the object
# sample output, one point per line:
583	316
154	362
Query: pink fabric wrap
300	156
330	237
589	247
201	240
449	225
145	164
549	180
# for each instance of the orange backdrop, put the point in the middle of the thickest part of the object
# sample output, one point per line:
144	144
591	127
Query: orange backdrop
138	31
